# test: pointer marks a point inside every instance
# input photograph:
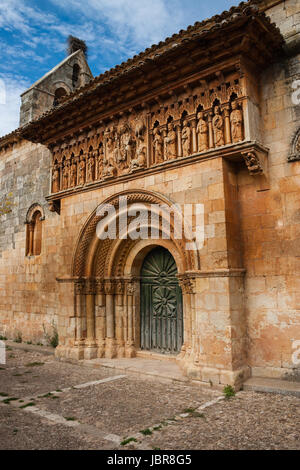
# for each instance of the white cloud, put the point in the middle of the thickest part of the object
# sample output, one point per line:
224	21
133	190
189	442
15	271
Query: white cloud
137	22
9	110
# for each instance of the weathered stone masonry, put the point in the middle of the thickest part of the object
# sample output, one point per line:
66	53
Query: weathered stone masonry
173	125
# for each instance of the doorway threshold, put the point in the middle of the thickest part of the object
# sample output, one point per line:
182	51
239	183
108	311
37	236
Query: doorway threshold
156	355
157	369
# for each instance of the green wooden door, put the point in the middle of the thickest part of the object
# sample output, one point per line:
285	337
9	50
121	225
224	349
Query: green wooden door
161	304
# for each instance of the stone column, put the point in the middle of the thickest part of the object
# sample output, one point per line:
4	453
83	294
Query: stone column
119	309
227	125
194	136
79	310
30	238
100	318
210	131
179	143
110	343
130	350
91	347
164	135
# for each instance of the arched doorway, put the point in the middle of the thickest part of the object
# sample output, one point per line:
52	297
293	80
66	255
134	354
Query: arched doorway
161	313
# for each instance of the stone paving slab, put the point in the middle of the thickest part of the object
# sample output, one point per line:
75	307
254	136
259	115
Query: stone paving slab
249	421
96	409
35	373
126	405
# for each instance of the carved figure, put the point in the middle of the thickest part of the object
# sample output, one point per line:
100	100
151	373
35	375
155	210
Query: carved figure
218	125
158	146
81	170
66	176
253	163
170	143
202	132
109	170
100	163
186	138
55	179
140	160
91	168
73	174
236	120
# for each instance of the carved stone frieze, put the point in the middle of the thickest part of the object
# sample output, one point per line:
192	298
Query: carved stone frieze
206	116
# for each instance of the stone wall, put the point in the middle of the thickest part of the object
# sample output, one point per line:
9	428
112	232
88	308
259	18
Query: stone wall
249	223
27	294
39	97
270	219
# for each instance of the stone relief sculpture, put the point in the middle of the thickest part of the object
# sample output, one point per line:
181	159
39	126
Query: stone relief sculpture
126	146
100	163
218	126
186	139
140	160
158	143
81	170
236	121
202	132
170	142
55	179
73	173
122	145
253	163
90	168
65	181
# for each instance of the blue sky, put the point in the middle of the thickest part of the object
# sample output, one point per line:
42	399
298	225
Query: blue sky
33	36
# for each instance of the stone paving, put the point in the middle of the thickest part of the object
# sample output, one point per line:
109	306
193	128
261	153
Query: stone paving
46	404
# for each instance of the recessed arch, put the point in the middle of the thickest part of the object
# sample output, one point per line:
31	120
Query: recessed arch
34	217
90	250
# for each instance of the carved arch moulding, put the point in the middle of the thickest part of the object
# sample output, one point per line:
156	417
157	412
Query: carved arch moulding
295	148
96	258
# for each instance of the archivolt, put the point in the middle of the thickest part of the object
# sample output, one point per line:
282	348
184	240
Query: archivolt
107	258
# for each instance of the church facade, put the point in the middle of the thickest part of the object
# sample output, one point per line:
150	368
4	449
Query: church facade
102	171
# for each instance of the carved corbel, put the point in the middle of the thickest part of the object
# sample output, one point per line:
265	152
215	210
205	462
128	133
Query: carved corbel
253	162
54	206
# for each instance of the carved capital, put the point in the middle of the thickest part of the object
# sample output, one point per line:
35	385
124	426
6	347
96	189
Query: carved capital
120	287
130	288
109	287
79	286
187	285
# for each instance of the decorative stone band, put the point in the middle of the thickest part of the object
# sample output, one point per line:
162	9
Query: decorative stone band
93	286
232	152
233	272
188	281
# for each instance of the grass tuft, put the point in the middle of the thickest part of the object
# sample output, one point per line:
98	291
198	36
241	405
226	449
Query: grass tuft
229	392
128	440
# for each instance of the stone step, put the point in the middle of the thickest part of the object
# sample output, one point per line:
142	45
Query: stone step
268	385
